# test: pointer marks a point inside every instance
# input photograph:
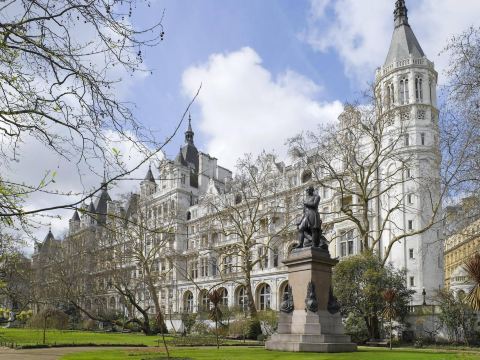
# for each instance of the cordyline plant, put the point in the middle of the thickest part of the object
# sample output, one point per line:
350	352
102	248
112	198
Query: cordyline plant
472	267
389	311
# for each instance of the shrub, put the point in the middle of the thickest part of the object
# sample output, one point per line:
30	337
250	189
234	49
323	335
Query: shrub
356	328
55	319
254	329
89	324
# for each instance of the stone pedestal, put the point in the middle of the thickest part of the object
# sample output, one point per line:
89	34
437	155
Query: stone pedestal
302	329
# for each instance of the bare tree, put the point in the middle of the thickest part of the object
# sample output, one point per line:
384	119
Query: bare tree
364	161
252	217
59	67
460	126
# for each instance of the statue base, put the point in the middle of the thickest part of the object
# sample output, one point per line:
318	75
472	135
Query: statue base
304	330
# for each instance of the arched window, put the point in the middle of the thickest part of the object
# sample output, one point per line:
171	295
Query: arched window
205	302
283	288
189	215
188	301
224	294
390	95
404	91
242	298
264	297
306	176
419	88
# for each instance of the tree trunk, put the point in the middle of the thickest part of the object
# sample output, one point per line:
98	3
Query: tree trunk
252	309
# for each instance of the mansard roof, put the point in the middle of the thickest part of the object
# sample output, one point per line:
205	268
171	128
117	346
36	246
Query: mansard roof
404	43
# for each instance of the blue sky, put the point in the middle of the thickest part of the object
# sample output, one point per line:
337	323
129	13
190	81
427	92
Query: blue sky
333	45
196	29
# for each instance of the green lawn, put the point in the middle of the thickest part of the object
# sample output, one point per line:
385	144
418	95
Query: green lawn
34	336
258	353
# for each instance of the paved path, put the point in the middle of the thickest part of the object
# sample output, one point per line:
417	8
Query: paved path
49	353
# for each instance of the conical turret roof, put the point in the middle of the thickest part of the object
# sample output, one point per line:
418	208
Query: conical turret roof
404	43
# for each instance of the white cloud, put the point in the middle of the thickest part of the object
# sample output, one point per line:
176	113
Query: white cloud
244	108
34	160
361	33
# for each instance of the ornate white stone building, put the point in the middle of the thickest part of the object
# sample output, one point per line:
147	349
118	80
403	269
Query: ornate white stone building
406	87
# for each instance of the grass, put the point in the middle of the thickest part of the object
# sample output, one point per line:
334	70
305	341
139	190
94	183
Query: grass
262	354
23	337
29	337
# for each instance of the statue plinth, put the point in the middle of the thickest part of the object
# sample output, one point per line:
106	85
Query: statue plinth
315	325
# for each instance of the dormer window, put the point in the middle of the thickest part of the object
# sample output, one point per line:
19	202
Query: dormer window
404	91
419	88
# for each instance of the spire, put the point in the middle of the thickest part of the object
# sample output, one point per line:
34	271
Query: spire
104	181
404	43
75	216
400	13
91	208
189	133
149	176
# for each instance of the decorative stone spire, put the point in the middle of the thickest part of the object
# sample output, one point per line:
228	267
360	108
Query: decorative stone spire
189	133
104	182
404	43
75	216
149	176
400	13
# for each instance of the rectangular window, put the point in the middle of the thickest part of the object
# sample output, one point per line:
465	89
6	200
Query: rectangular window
412	281
343	249
422	138
407	139
346	243
275	257
410	253
408	173
410	224
410	199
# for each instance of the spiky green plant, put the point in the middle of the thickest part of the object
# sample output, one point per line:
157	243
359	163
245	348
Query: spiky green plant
389	311
215	314
472	266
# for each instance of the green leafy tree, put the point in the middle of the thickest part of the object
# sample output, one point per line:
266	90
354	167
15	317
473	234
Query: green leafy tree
457	317
359	282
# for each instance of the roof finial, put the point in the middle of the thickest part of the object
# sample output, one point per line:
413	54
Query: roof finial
189	133
400	13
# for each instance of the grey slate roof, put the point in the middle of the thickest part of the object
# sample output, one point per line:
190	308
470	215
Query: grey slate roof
149	176
75	216
101	205
403	41
49	237
188	154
